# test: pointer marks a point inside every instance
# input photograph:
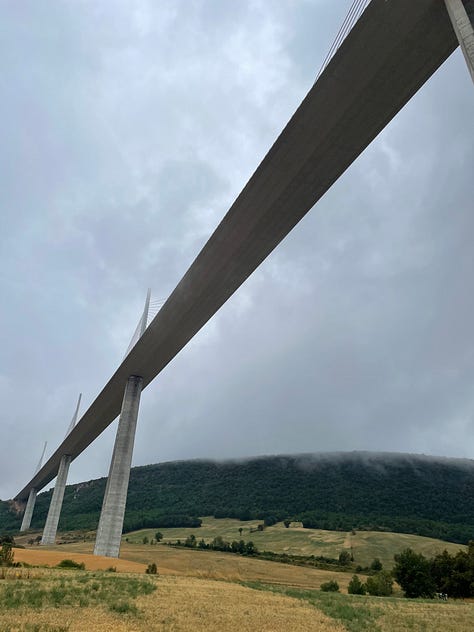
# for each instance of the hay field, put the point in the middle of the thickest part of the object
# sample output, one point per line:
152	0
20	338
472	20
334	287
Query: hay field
386	614
178	604
366	545
197	563
37	556
202	590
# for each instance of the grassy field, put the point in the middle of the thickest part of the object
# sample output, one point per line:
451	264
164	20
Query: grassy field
188	563
213	591
53	600
383	614
366	545
59	601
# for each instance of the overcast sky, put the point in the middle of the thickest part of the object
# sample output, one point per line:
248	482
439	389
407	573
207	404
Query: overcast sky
127	129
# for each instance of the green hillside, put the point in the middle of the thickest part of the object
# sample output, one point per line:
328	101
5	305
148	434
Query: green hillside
295	540
366	491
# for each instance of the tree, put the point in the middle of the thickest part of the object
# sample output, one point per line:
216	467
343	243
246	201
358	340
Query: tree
250	548
158	536
380	584
240	531
344	558
330	586
191	541
6	554
412	571
356	587
287	523
442	570
145	540
376	565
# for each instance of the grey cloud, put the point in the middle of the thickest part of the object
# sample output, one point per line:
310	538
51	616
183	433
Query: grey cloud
127	131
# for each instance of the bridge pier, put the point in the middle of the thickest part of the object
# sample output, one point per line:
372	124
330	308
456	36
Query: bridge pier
461	13
54	512
51	526
109	532
30	505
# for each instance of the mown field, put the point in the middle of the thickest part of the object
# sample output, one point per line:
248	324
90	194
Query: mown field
366	545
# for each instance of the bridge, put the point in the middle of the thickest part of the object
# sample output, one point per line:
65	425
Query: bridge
390	51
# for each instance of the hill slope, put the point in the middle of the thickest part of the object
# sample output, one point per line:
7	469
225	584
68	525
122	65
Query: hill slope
394	492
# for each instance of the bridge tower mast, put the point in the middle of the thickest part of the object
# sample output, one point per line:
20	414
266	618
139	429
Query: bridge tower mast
30	505
51	526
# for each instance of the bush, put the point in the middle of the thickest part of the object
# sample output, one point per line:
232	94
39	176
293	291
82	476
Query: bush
376	565
344	558
71	564
330	586
356	587
6	554
152	569
380	584
124	607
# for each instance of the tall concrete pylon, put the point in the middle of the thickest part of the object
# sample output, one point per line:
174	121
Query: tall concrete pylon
30	505
54	512
109	531
461	13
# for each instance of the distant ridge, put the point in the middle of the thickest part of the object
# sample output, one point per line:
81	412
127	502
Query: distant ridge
411	493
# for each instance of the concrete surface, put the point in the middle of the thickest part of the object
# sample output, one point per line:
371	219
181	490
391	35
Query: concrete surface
109	532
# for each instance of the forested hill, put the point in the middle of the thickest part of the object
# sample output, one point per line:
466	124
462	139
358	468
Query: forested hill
406	493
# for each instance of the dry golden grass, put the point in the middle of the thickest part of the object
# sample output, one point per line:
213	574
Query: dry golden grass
215	565
407	615
187	603
180	604
51	557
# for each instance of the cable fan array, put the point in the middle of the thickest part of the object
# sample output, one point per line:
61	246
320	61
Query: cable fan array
152	307
356	9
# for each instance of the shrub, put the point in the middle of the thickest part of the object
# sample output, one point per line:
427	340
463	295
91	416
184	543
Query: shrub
6	554
344	558
71	564
380	584
152	569
376	565
356	587
124	607
330	586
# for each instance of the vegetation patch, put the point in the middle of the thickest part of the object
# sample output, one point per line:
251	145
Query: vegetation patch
84	590
352	612
72	564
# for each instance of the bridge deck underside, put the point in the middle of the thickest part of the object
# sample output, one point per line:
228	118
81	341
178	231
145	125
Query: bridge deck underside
390	53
